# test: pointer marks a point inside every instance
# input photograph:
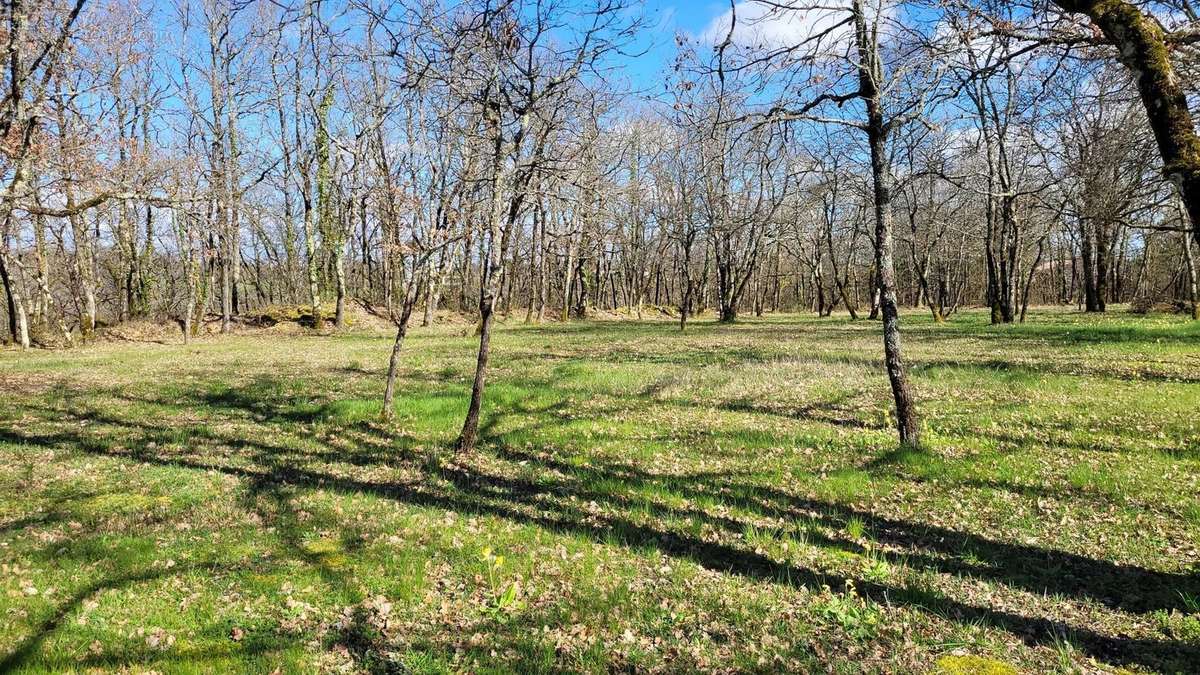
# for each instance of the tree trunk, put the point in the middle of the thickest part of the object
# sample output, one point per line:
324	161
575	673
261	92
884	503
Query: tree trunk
314	272
870	73
470	430
22	319
1193	285
18	322
389	390
85	268
1101	256
543	276
874	286
1029	280
685	292
838	281
568	278
339	270
1010	245
433	293
906	413
1088	258
489	282
226	286
431	300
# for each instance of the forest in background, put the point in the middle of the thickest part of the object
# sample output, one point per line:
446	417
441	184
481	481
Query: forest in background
172	160
228	445
216	157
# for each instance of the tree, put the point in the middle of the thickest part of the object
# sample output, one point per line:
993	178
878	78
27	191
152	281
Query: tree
514	70
867	93
37	38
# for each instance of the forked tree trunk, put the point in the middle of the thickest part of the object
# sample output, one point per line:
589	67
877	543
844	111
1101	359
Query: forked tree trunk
1037	261
837	274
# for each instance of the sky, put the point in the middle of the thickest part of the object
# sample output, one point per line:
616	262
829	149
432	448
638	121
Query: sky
707	21
667	18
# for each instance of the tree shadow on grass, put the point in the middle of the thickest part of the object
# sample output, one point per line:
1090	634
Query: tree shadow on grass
779	342
1042	571
26	648
553	496
834	410
474	492
52	511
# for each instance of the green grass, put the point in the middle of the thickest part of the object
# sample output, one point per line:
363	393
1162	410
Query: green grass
729	498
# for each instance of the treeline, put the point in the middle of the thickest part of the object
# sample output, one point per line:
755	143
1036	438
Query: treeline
176	161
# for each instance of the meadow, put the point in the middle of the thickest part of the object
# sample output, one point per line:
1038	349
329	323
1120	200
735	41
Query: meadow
729	498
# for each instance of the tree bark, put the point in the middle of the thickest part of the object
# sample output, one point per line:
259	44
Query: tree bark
339	271
838	281
1193	285
18	322
433	294
490	282
85	267
870	73
568	277
389	390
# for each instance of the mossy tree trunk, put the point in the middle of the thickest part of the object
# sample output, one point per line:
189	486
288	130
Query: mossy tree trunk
1144	48
325	208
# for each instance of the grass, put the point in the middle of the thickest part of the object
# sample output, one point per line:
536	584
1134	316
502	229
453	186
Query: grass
729	498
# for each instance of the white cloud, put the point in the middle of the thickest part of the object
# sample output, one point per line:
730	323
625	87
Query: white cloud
759	25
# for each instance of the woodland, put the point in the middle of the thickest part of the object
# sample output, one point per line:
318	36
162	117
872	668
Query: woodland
431	336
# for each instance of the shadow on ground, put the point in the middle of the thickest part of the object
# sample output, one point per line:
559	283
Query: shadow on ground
553	499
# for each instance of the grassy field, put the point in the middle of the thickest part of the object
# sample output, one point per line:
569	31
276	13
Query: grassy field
728	499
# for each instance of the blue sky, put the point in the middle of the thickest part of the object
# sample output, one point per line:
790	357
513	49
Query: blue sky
668	17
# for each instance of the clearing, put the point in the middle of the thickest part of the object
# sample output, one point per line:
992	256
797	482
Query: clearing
725	499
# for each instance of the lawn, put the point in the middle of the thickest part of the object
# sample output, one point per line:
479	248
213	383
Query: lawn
726	499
